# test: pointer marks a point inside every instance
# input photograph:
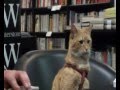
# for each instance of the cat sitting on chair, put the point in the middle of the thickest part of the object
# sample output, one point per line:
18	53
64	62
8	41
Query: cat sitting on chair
73	76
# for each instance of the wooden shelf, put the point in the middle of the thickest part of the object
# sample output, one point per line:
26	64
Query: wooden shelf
77	8
90	7
43	10
54	35
47	10
26	10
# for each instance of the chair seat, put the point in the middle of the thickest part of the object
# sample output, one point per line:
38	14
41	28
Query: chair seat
42	66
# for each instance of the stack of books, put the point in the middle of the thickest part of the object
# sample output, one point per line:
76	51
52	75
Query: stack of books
50	43
77	17
101	20
98	23
110	18
101	23
110	24
110	13
75	2
107	57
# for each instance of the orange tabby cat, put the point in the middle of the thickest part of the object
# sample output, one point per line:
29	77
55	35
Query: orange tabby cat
73	75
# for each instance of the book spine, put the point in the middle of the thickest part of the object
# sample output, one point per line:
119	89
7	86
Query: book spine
78	1
98	26
24	4
52	2
83	2
110	27
105	57
49	3
42	44
44	3
60	2
50	23
110	22
66	2
113	58
56	2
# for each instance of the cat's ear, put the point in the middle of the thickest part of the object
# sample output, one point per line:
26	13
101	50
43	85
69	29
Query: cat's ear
73	31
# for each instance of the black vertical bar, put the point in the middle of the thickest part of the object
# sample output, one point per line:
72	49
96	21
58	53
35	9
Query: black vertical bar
67	33
33	15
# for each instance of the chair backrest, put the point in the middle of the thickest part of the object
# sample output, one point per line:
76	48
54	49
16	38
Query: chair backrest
42	66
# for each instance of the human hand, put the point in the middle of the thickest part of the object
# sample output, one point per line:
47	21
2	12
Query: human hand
14	79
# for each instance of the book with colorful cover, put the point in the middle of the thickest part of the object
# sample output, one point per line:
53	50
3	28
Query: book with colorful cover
110	12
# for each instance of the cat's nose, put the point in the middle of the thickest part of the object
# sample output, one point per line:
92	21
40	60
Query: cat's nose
86	50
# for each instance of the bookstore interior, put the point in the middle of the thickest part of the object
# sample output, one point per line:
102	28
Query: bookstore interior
36	38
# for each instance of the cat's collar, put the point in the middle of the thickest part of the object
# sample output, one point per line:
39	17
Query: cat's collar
82	72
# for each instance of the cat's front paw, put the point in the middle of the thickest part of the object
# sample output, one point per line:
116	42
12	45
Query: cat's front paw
86	84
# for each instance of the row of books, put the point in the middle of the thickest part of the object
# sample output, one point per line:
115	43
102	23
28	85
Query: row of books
107	57
43	23
26	3
42	3
58	22
26	23
75	2
110	12
50	43
54	23
100	23
96	18
75	17
49	3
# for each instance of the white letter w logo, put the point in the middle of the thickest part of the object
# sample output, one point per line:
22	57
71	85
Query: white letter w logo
12	53
11	12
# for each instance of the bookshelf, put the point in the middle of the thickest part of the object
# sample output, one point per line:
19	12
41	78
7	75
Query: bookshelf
79	8
102	39
82	8
90	7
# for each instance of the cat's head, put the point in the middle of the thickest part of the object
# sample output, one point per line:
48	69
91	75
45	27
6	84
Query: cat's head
80	41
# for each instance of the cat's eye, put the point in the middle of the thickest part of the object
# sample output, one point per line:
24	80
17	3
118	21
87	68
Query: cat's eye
81	41
88	41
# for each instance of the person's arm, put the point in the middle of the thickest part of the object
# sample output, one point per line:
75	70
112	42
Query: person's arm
14	79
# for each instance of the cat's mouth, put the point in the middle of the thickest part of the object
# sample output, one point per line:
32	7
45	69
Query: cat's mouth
81	54
85	53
